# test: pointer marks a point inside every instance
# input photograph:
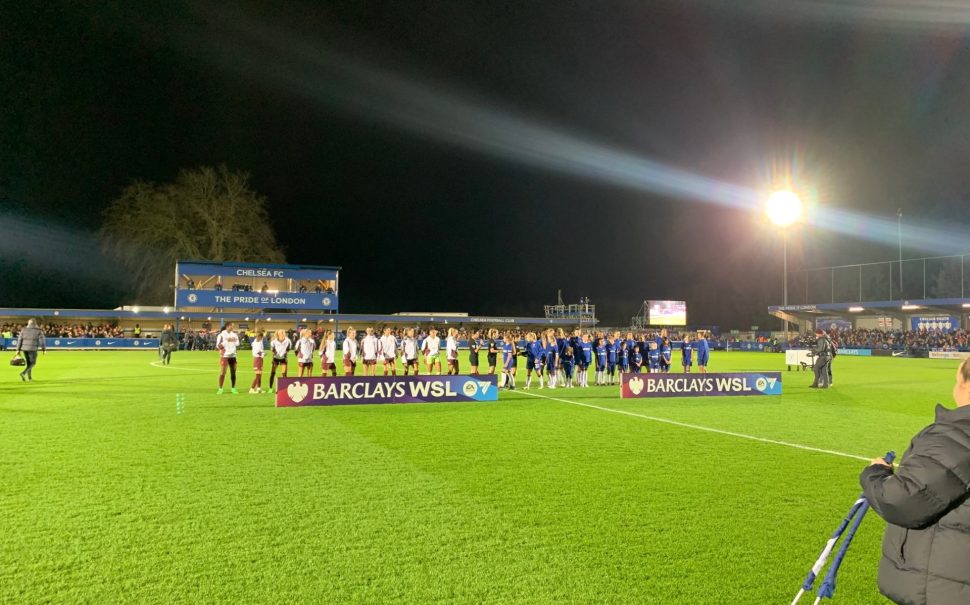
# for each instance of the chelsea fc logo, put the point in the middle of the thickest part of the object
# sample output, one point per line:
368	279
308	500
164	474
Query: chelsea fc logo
326	301
193	298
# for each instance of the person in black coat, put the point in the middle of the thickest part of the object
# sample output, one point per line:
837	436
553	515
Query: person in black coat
926	549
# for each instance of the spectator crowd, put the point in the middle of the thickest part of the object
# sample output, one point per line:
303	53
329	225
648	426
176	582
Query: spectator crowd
896	340
53	330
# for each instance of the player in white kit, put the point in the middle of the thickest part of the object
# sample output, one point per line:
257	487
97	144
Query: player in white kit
259	351
304	352
350	352
368	351
387	346
451	351
280	346
432	352
227	343
409	352
328	354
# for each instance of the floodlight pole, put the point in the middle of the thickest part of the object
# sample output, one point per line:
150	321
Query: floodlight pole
899	235
785	264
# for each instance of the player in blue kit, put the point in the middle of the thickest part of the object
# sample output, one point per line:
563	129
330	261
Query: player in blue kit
509	363
686	354
551	359
534	352
586	346
561	342
567	356
703	352
611	357
576	342
623	357
636	358
600	361
653	357
665	354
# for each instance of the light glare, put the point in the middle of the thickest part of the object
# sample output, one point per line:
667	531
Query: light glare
784	208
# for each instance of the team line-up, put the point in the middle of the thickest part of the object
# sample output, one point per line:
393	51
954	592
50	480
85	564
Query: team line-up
554	358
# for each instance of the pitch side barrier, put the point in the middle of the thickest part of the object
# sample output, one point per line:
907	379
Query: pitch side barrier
78	344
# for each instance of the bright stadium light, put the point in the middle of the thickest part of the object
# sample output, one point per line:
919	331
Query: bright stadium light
166	310
784	208
911	307
856	309
134	309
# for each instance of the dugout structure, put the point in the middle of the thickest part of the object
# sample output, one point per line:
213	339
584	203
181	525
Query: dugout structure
241	287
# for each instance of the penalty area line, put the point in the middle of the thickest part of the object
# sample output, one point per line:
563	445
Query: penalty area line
698	427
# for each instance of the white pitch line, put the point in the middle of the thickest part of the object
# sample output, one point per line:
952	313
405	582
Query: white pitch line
702	428
156	364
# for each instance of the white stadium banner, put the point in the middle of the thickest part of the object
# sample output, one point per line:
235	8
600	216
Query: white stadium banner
949	354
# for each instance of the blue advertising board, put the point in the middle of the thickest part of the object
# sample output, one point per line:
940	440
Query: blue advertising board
231	285
92	343
946	323
256	271
854	352
830	323
255	300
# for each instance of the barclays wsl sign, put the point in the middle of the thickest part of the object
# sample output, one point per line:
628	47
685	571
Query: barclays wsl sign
350	390
700	385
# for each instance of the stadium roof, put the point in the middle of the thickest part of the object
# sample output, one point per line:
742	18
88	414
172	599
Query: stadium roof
254	265
131	314
882	308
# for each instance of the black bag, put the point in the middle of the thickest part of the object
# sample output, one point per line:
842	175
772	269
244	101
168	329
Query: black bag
18	361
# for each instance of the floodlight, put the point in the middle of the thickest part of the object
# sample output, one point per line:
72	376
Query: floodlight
784	208
856	309
910	307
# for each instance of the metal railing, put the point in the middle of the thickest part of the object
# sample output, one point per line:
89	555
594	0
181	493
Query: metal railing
912	279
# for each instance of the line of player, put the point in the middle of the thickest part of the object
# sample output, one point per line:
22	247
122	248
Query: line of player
558	360
553	357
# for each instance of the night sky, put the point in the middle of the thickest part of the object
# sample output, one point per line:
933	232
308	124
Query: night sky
373	128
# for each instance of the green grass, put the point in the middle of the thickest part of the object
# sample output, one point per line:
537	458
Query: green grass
108	496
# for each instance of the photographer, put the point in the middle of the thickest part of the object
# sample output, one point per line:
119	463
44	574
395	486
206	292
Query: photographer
823	358
925	504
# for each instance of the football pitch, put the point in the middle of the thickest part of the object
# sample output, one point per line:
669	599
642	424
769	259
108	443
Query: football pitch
109	495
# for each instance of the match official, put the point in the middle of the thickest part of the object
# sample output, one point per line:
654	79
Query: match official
926	549
30	340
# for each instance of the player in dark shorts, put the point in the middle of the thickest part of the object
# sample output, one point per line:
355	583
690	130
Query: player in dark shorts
492	350
280	346
474	346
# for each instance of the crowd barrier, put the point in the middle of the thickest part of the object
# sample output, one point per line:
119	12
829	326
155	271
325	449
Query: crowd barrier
91	343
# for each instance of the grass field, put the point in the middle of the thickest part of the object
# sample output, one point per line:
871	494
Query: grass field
109	496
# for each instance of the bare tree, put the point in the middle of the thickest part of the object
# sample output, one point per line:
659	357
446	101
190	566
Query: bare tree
205	214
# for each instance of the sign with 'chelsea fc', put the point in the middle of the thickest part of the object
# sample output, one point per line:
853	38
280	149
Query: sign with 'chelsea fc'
349	390
700	385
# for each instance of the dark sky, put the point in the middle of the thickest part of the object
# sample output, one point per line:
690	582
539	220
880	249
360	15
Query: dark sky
389	137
